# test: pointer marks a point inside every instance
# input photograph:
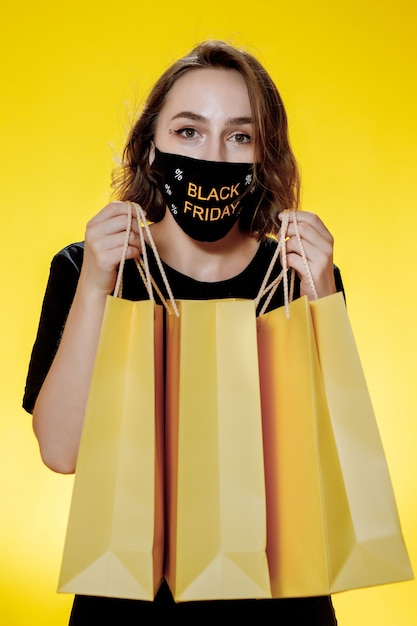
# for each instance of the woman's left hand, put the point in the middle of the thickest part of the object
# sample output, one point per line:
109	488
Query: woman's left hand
318	245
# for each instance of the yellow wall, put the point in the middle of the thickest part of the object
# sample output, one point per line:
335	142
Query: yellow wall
71	76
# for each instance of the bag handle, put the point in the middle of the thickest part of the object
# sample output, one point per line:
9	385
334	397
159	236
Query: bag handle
117	292
304	257
143	264
281	250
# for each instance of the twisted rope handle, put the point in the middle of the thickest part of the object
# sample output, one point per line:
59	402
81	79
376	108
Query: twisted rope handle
141	217
146	277
283	275
304	257
117	292
143	264
272	287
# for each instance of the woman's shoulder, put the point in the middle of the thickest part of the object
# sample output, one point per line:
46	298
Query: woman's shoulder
64	271
72	254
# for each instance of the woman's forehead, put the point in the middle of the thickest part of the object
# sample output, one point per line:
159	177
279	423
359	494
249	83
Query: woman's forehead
206	88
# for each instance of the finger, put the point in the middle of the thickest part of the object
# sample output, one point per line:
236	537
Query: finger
305	274
114	209
118	224
317	250
303	216
309	226
107	244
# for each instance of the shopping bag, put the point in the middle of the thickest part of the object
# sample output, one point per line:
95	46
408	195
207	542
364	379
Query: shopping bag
377	552
215	485
114	539
297	440
332	521
331	514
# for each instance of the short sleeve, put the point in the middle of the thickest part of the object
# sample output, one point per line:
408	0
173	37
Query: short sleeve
62	283
338	280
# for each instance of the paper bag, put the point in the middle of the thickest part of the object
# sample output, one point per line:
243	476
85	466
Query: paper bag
377	553
215	474
114	541
331	515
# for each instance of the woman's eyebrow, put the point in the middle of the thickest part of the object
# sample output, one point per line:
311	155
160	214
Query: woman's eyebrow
237	121
196	117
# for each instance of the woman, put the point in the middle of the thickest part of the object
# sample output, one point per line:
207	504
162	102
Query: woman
209	161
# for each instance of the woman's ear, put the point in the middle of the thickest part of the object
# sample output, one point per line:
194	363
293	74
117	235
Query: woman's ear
151	153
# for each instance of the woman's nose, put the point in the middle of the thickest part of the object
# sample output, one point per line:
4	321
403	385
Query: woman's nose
214	150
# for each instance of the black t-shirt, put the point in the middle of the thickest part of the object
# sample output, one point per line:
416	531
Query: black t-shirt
62	283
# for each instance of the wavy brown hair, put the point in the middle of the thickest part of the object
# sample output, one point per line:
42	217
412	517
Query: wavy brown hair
276	170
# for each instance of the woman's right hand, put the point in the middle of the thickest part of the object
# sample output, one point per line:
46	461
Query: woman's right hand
104	241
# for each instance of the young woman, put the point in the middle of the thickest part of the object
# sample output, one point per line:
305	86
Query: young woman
209	161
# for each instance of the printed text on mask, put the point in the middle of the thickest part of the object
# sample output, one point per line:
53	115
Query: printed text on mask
211	213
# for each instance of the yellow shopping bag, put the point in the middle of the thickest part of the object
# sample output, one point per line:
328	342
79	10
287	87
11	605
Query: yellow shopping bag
297	439
215	475
114	540
332	519
376	553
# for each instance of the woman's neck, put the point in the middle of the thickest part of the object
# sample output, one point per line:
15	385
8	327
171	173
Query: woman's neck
205	262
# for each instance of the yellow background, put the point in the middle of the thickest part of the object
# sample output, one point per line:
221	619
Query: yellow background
72	76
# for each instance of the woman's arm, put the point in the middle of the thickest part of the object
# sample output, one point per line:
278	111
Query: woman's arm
58	413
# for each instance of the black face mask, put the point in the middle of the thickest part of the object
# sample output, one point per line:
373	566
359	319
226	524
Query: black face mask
205	198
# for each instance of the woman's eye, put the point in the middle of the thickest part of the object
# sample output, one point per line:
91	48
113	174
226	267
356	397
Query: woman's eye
188	133
241	138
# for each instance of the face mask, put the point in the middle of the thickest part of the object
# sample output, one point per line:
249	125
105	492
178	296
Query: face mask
205	198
